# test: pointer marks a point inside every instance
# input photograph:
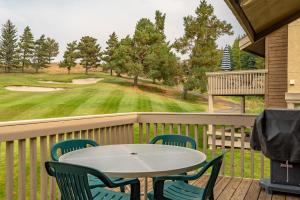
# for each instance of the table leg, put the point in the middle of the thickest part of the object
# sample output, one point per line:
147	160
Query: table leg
145	188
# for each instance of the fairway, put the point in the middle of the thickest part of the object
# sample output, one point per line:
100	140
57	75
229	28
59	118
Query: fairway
109	95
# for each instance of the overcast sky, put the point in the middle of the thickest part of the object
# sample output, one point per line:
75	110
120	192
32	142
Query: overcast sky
68	20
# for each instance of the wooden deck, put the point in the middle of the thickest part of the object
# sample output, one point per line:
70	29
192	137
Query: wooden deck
228	188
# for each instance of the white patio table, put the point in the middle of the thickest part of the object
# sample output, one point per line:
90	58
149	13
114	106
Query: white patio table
137	160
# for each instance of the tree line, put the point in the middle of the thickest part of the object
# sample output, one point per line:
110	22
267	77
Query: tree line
242	60
146	53
24	51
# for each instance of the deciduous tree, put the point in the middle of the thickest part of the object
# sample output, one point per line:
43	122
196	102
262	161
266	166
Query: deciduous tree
89	52
244	60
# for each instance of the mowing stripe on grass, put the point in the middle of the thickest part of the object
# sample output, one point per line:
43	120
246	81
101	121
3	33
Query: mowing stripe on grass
111	103
143	104
172	106
42	105
129	101
69	104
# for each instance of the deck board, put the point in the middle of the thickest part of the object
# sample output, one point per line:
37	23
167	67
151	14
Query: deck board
228	188
242	190
253	192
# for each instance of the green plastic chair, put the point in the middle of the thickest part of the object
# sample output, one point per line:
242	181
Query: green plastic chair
177	189
67	146
72	145
73	183
175	140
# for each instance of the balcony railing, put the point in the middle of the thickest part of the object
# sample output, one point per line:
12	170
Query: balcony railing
250	82
25	145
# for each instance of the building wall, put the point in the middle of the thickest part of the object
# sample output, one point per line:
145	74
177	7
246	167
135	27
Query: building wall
276	62
294	57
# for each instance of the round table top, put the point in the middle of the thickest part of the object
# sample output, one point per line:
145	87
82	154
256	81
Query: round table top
137	160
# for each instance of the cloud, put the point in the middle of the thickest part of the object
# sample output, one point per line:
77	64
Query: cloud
68	20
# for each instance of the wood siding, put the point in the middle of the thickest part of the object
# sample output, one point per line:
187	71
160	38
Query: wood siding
276	63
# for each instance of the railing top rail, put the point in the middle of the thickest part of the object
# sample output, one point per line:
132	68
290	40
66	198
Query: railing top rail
246	120
240	72
17	130
60	119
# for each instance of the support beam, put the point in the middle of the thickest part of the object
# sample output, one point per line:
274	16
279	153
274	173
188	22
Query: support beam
243	104
210	103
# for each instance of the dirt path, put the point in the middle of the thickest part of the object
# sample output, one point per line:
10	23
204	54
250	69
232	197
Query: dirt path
224	106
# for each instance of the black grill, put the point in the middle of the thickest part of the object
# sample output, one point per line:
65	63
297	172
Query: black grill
277	134
285	173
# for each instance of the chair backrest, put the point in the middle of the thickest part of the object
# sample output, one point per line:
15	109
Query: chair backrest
72	179
70	145
175	140
216	165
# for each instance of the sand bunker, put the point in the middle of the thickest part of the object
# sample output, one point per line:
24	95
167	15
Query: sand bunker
52	82
84	81
32	89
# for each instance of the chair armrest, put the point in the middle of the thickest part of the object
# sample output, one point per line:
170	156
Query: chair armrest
182	177
124	182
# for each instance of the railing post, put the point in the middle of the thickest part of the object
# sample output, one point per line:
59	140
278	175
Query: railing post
22	170
9	170
33	168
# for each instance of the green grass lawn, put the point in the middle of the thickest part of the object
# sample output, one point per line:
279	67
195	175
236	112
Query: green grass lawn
110	95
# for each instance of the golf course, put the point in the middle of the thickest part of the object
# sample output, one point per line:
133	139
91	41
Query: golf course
109	95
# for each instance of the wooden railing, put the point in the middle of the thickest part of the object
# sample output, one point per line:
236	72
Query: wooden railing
250	82
25	145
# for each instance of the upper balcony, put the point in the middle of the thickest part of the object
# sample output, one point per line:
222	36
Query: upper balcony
235	83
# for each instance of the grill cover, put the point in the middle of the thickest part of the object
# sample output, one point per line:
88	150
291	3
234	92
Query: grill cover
277	134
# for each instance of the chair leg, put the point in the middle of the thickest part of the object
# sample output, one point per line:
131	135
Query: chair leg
135	193
122	188
159	190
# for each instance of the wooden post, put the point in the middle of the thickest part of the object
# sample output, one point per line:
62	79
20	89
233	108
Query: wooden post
210	103
243	106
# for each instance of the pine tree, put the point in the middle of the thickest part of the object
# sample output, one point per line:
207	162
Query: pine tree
199	43
112	44
26	46
123	55
235	53
162	63
160	19
70	56
40	55
145	36
160	60
8	46
52	49
89	52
